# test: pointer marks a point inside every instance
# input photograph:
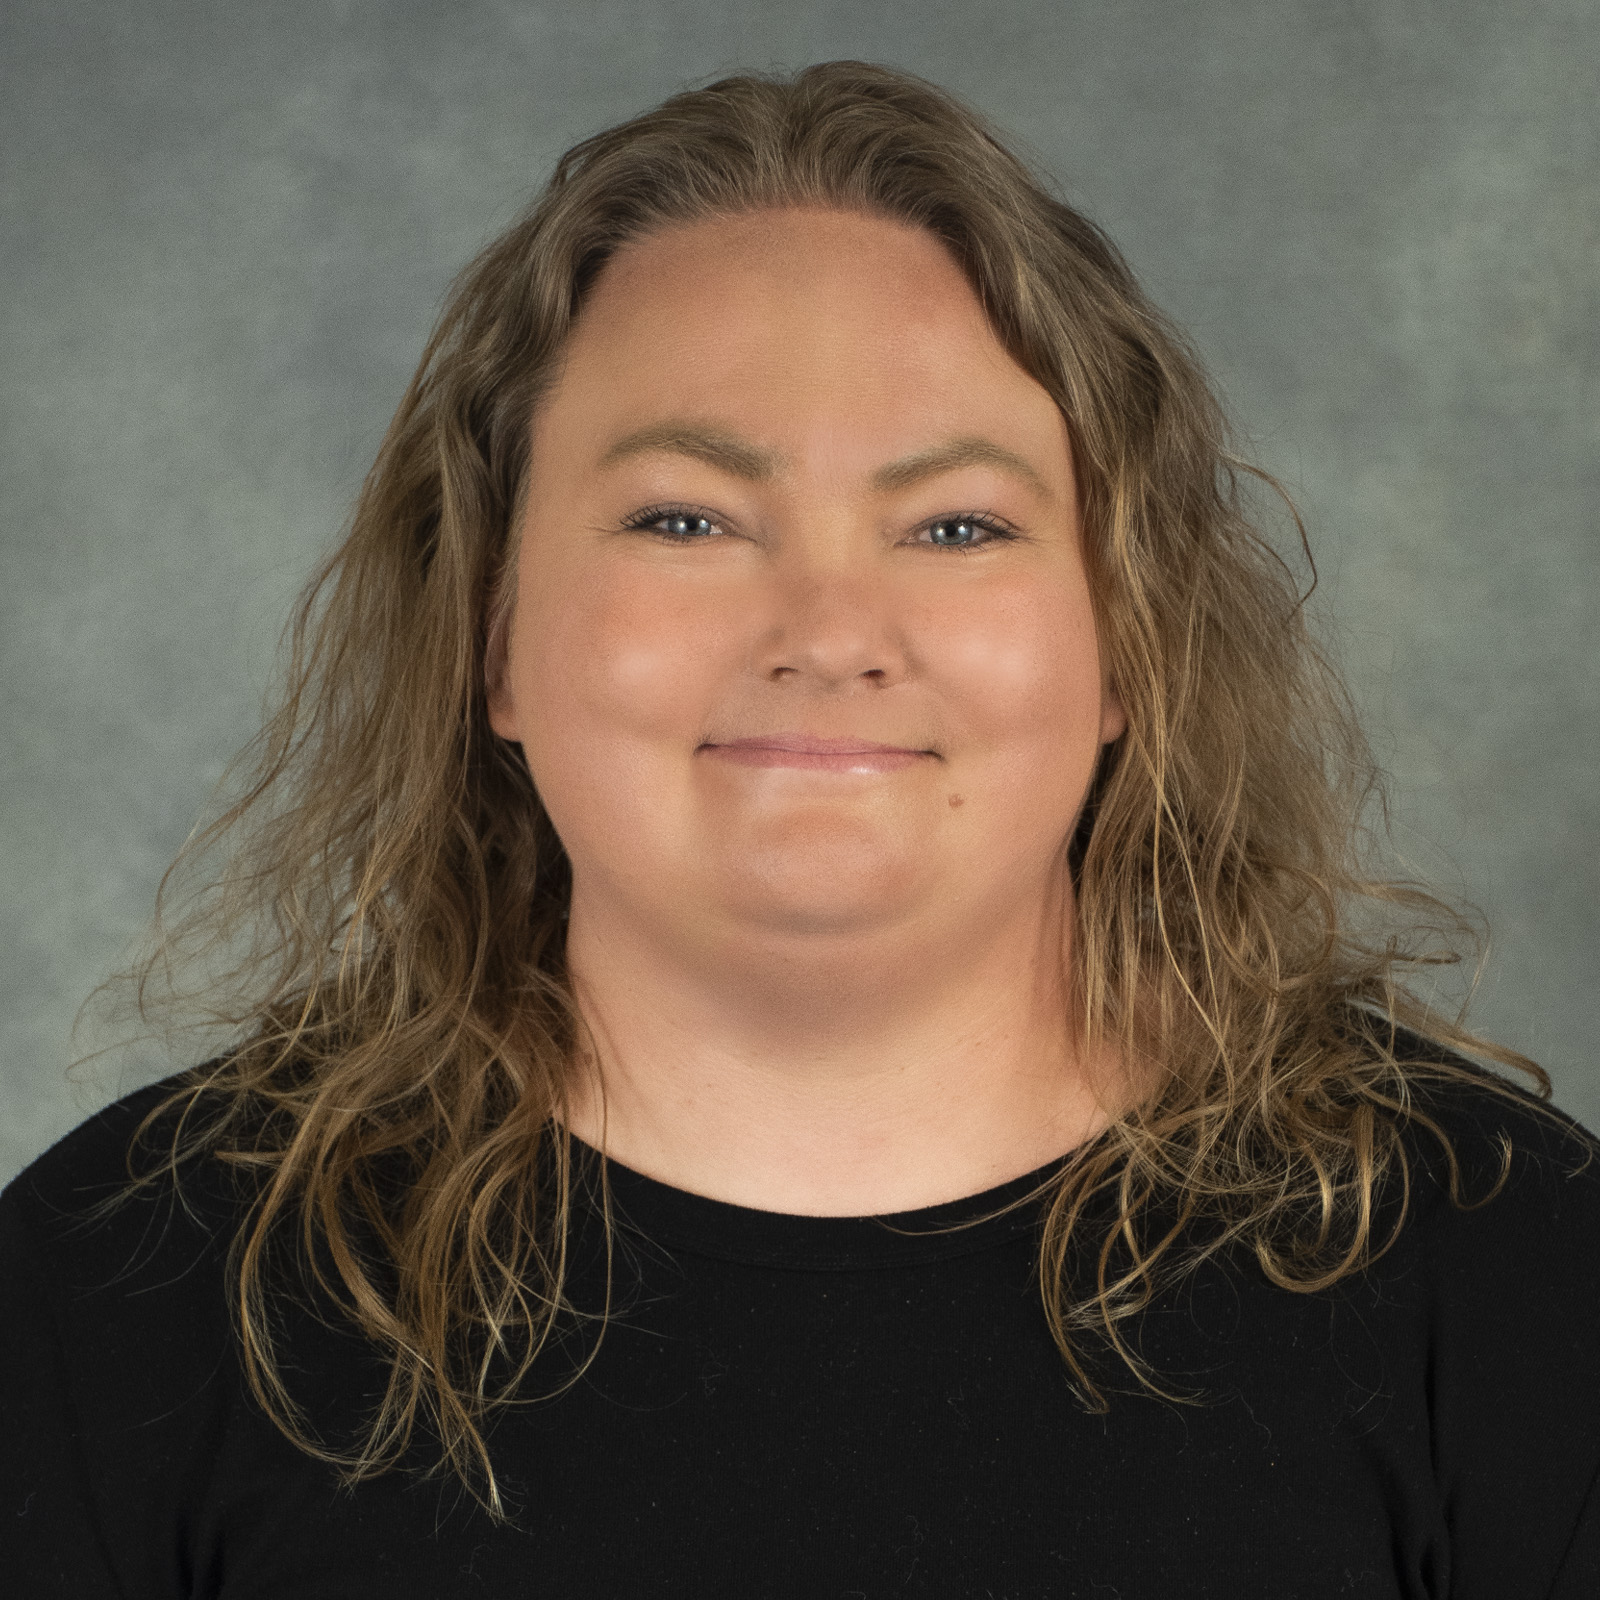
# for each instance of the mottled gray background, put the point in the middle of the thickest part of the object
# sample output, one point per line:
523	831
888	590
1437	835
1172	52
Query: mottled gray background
226	230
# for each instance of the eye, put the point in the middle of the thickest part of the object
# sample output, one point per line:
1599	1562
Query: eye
685	524
968	531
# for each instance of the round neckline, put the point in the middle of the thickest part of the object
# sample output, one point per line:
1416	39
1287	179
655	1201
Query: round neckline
656	1211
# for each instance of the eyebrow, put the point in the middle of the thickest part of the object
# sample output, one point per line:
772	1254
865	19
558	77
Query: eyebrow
741	459
724	451
957	453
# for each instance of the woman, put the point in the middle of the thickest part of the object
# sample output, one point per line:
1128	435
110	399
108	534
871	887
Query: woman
808	1021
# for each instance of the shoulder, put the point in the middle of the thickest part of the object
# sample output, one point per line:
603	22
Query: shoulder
75	1223
1499	1246
1494	1284
95	1154
120	1376
1477	1142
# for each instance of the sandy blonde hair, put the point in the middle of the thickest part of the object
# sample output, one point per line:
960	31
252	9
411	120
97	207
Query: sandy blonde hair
393	895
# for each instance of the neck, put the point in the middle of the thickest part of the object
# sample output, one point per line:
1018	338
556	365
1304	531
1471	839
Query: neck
833	1075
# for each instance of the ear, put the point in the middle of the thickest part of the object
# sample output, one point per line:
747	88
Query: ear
1113	717
503	711
498	697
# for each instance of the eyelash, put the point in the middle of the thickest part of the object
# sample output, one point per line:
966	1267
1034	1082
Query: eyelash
994	529
644	522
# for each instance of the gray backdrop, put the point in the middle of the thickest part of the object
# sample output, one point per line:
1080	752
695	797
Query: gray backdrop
226	230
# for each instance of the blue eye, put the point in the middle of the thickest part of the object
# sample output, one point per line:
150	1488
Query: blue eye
681	527
674	523
964	532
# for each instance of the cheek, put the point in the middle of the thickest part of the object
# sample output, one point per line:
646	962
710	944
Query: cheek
612	664
1022	673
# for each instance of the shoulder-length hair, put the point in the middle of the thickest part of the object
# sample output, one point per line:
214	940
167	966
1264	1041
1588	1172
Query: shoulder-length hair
395	894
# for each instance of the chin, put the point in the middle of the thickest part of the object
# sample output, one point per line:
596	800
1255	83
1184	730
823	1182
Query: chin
820	919
820	893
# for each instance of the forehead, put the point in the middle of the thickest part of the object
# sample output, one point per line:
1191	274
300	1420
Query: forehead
799	323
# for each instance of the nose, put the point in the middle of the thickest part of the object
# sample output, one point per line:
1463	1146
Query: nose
832	624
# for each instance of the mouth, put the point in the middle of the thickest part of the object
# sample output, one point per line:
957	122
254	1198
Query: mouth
815	753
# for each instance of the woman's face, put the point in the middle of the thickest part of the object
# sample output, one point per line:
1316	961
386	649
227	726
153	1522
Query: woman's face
802	644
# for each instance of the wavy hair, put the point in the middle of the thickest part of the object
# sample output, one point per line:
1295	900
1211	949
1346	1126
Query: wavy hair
391	895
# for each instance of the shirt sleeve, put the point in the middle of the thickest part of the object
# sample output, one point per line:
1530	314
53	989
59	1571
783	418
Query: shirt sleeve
1515	1363
50	1542
1579	1577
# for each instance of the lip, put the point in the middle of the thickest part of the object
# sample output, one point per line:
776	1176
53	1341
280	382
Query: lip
815	753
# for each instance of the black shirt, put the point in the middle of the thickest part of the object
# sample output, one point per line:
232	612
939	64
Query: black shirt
837	1409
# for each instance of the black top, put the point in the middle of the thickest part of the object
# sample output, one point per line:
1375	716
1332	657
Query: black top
837	1410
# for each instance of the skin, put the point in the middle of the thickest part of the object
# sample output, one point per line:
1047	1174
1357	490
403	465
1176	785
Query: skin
821	988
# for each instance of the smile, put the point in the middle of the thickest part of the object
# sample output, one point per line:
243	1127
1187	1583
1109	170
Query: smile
811	753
